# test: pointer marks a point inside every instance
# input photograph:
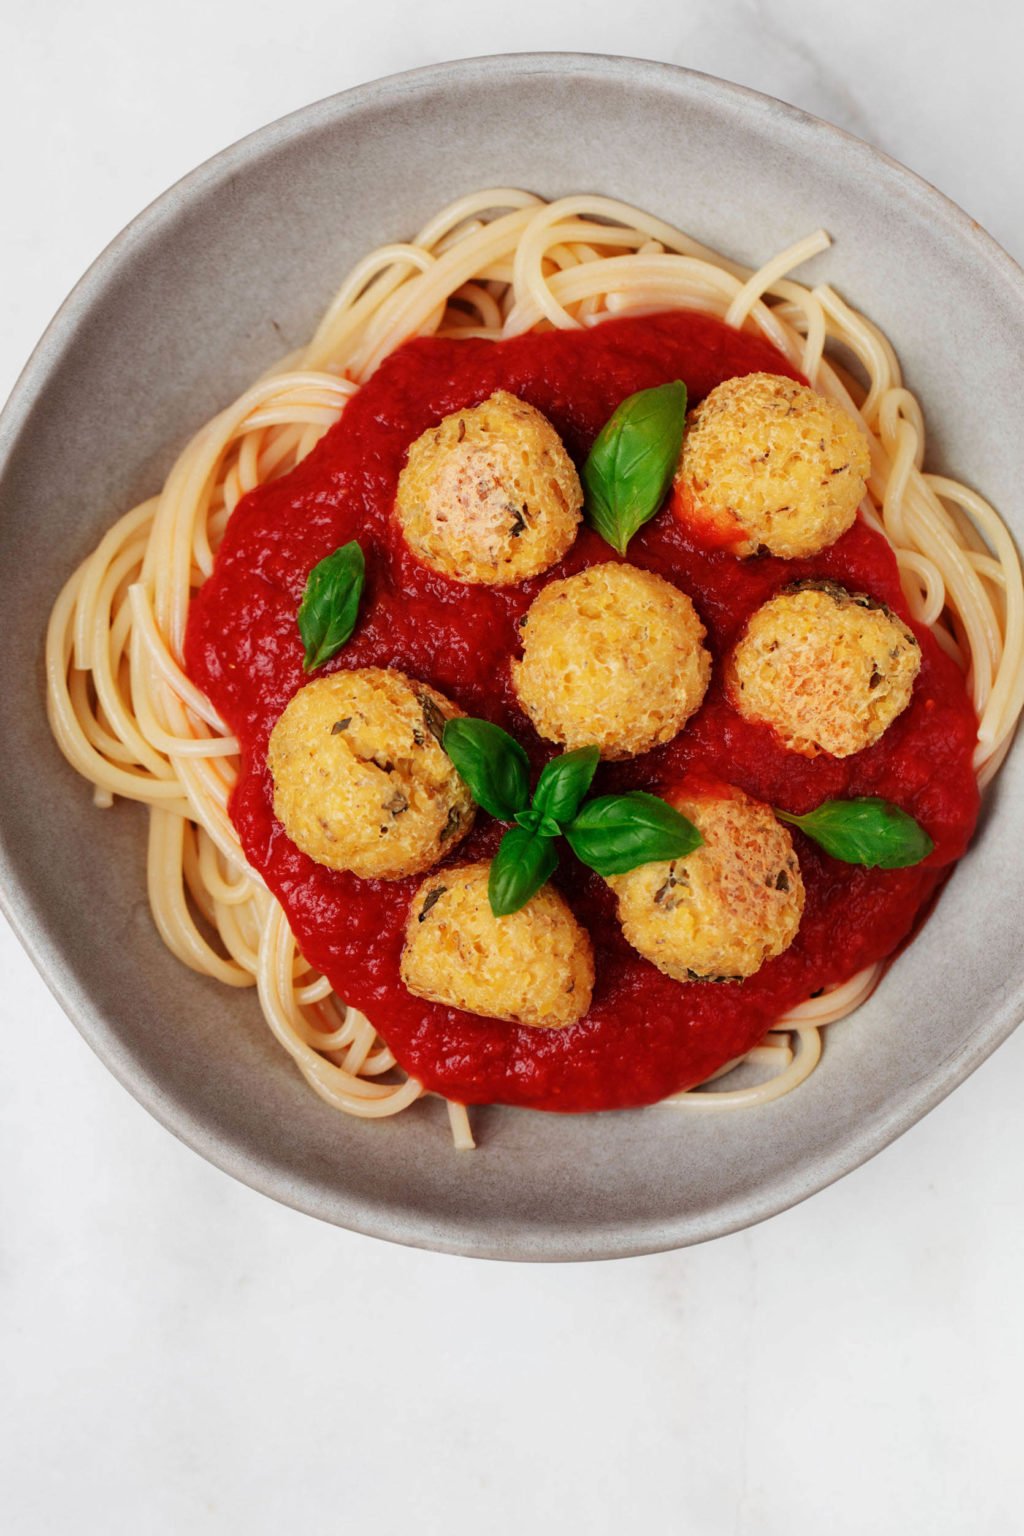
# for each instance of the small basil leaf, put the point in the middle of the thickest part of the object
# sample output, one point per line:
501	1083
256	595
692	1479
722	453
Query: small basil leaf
631	465
492	763
535	821
563	784
330	604
867	831
522	864
617	833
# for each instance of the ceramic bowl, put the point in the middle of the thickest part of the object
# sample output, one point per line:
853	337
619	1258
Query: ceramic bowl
199	295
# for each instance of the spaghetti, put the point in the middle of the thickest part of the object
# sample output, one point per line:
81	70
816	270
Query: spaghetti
493	265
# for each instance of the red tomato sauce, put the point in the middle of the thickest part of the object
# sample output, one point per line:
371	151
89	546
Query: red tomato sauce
645	1035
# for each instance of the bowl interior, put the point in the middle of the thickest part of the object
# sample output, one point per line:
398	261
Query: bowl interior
201	293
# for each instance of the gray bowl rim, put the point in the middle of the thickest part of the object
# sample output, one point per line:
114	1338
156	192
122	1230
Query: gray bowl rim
31	925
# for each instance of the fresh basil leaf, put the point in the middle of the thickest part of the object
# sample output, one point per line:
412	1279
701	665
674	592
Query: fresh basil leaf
867	831
631	465
492	763
617	833
522	864
563	783
535	821
330	604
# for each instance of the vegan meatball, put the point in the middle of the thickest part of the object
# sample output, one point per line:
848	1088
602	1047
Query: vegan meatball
360	780
612	657
490	495
721	912
535	966
768	463
828	669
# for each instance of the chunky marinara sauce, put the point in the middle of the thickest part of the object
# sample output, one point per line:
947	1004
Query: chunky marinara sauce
645	1035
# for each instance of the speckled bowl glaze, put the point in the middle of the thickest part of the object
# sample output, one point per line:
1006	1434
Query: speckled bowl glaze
200	294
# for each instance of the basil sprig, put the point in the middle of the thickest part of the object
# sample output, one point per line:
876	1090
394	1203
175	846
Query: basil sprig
631	465
611	834
615	833
330	604
866	830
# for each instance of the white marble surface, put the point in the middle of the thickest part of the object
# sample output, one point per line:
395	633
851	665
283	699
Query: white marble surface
177	1353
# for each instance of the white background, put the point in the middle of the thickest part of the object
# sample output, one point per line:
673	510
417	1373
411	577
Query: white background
177	1354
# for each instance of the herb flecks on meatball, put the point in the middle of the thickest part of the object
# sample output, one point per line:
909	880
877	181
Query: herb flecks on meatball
535	966
490	496
613	656
360	779
829	670
769	464
721	912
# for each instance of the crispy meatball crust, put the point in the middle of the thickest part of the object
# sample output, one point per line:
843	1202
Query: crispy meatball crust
535	966
829	670
725	909
490	496
360	780
770	464
614	657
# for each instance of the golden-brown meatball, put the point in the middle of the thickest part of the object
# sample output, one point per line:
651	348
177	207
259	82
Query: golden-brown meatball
360	780
612	657
828	669
768	463
535	966
490	495
721	912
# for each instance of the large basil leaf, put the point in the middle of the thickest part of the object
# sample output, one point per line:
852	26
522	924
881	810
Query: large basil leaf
617	833
492	763
867	831
330	604
523	863
631	465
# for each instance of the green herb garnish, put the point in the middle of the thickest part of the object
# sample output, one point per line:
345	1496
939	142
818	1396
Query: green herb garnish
523	863
631	465
330	604
616	833
612	834
866	831
493	764
564	783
